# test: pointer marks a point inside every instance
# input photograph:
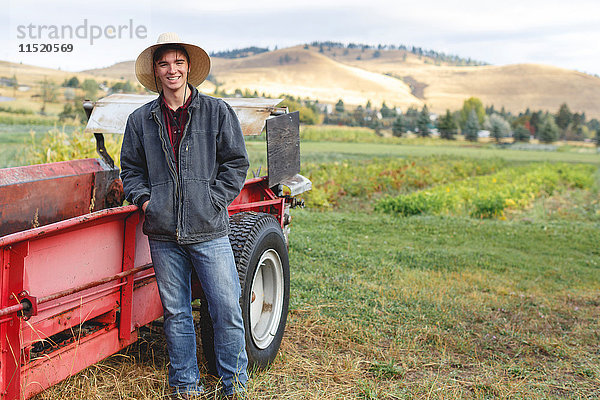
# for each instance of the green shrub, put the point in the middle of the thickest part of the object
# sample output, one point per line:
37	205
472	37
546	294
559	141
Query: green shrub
421	203
488	206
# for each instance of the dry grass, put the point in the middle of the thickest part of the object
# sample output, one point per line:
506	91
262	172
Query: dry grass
322	358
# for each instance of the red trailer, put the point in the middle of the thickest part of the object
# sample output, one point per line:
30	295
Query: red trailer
77	281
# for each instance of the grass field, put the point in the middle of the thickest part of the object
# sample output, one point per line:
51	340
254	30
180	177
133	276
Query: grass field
422	307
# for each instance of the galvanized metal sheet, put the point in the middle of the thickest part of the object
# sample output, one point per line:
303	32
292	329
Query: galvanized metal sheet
110	113
297	184
283	147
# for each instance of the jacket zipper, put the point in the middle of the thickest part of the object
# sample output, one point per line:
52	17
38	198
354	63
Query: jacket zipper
172	169
180	209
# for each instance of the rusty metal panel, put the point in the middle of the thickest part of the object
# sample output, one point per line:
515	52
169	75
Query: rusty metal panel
110	113
283	147
38	195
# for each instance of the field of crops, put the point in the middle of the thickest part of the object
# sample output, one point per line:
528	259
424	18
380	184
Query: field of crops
512	188
419	270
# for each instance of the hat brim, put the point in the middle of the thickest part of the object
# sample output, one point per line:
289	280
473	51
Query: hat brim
199	66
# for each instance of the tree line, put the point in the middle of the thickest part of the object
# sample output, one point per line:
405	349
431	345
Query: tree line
76	91
240	53
470	121
418	51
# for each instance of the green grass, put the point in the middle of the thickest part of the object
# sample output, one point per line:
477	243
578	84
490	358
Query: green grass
317	151
453	307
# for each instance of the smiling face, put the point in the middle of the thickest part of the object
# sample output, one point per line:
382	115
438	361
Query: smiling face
172	68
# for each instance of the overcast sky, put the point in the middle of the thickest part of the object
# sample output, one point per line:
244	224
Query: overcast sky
560	33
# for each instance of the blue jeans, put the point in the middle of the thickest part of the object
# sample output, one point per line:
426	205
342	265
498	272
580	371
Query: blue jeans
215	266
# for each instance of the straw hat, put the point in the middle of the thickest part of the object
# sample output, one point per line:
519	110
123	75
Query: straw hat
199	63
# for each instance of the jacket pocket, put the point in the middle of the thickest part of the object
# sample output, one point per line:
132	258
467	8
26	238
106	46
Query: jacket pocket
202	215
161	213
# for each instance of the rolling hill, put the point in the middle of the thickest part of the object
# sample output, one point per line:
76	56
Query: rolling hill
397	77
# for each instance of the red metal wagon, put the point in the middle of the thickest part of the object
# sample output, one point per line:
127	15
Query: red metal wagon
76	277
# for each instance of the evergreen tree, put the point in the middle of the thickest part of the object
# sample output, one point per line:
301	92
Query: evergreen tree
593	125
359	116
423	122
521	134
498	127
410	121
563	117
447	126
339	106
471	129
578	119
549	131
72	83
376	125
399	126
387	112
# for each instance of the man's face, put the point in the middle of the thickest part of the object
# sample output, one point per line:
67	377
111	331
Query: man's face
172	69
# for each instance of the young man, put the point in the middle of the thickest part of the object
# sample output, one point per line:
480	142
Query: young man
183	161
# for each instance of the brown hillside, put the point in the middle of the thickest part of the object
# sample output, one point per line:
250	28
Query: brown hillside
124	70
307	73
516	87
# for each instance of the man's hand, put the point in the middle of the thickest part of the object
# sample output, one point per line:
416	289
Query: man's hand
145	205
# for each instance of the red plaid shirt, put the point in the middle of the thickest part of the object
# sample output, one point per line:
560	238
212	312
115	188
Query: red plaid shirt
175	123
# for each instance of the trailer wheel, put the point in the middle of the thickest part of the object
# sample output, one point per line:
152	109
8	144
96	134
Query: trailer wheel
262	261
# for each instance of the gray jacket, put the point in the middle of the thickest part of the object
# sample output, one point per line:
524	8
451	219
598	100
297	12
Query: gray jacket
187	204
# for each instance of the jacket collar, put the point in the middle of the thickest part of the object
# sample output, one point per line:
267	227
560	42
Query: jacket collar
155	105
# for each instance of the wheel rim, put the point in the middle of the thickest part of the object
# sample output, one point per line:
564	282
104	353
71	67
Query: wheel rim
266	299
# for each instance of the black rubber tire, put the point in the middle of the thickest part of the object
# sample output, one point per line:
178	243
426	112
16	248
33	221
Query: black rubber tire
252	234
